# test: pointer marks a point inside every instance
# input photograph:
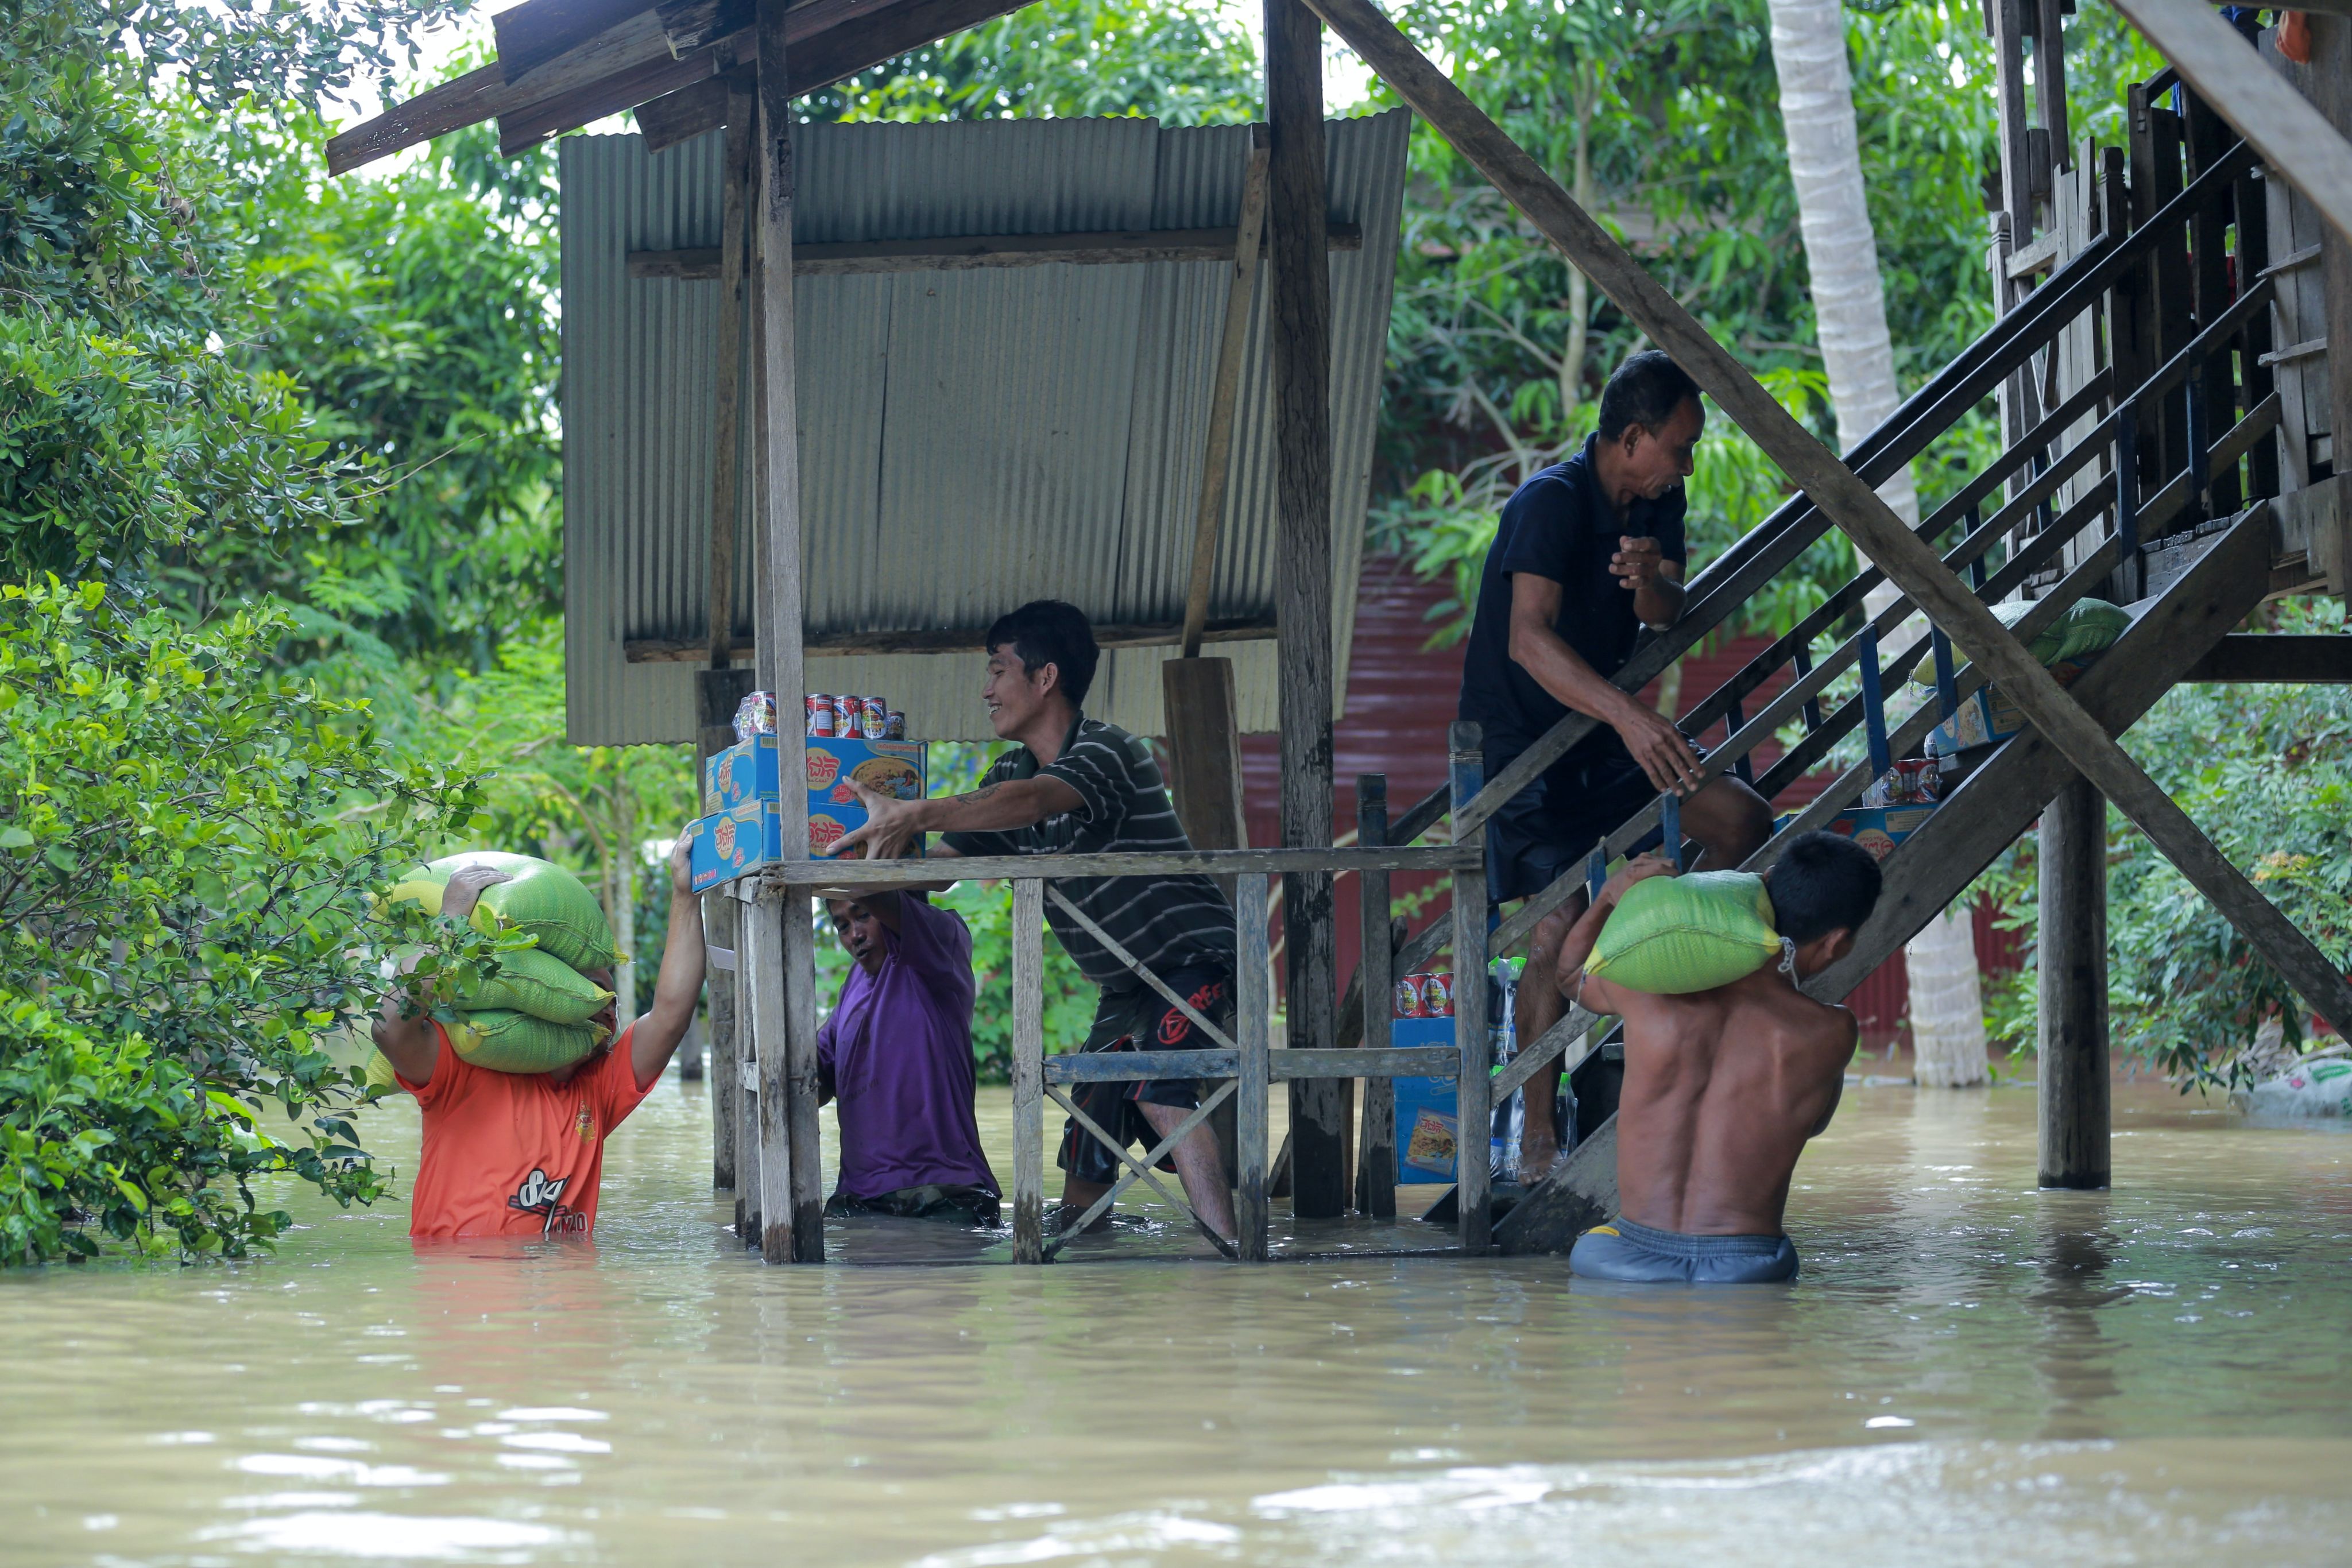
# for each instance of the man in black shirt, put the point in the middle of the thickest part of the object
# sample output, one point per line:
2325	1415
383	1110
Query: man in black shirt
1076	785
1588	552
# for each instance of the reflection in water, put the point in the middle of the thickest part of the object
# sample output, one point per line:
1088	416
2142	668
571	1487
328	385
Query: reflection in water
1970	1370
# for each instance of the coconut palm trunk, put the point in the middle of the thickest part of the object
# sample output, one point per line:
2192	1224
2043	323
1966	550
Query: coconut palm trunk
1850	304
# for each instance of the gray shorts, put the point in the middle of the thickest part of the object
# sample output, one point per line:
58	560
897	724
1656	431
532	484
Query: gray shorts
1622	1249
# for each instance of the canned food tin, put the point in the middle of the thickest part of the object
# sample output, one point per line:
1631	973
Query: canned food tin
873	717
820	714
845	712
1437	995
894	726
1408	997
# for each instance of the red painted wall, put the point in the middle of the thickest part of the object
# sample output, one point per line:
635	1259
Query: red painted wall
1401	697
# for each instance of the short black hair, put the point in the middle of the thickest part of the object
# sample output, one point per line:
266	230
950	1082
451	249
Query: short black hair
1823	881
1644	391
1048	631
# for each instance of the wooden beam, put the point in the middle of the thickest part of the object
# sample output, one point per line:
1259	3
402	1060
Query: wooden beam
1473	1090
1299	318
949	640
716	696
963	252
832	39
2276	659
1172	862
1908	561
734	248
1252	1006
1376	1155
796	1234
1580	1193
1204	754
1217	461
536	32
2282	125
682	115
1028	1070
2071	1055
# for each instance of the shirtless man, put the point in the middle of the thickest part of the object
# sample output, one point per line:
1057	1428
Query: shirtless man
1723	1087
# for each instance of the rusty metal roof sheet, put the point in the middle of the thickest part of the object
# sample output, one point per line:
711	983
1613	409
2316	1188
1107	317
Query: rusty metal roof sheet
968	439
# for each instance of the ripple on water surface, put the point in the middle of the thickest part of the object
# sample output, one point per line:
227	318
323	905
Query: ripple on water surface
1971	1370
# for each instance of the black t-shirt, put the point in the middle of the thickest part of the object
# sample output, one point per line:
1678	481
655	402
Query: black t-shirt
1558	525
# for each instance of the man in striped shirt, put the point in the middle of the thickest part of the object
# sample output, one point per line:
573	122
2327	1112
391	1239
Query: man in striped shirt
1075	785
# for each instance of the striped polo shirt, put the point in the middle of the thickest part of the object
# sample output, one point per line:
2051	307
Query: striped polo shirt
1166	921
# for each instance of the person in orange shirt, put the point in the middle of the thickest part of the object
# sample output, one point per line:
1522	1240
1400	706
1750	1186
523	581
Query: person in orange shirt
512	1153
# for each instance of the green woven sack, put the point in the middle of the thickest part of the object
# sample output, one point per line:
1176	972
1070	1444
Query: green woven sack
2085	626
1672	935
541	984
542	899
504	1041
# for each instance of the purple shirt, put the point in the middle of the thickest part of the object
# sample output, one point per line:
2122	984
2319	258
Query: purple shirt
898	1051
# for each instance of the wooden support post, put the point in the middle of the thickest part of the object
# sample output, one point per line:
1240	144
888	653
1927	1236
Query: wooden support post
1217	461
1473	1099
1301	283
734	251
1250	1006
2211	291
2331	81
1908	561
791	1217
2071	1075
1028	1070
1204	779
760	962
717	693
1375	1161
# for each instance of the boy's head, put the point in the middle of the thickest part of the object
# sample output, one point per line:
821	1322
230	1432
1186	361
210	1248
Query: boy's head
1039	657
1823	887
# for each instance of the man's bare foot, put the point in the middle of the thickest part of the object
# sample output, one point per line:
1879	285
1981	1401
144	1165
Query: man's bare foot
1066	1215
1536	1158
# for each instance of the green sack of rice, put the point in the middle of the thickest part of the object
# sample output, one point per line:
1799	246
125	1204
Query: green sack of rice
2084	626
504	1041
541	984
542	898
1672	935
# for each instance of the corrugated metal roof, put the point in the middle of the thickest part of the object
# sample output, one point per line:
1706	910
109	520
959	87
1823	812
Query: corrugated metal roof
968	439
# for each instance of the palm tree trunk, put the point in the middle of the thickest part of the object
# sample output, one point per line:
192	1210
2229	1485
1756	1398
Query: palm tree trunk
1850	305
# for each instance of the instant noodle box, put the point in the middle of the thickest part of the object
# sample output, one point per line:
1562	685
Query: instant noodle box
1879	828
748	770
742	830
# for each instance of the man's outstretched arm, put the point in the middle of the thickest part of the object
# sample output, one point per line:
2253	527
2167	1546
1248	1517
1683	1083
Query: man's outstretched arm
1536	647
657	1034
891	823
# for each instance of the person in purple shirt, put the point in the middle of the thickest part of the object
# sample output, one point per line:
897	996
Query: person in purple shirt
896	1053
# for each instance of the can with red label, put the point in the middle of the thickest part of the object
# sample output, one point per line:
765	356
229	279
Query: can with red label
872	717
820	714
1409	996
1437	995
845	710
894	726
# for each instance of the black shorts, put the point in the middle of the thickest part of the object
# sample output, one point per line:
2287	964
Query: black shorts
1551	826
1142	1019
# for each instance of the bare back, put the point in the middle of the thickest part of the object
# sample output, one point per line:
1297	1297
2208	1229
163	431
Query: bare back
1722	1089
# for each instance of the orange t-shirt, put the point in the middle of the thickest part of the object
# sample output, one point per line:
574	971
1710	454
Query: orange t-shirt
512	1154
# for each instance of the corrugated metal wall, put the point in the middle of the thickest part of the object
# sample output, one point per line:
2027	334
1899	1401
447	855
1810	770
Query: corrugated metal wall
969	440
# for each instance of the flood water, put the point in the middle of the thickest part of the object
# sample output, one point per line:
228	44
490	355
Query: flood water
1971	1370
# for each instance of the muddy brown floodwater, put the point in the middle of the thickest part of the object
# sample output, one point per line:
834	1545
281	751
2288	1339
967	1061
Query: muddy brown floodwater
1971	1370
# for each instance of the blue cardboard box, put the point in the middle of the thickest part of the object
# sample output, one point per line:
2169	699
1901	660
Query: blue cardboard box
1985	717
1427	1125
750	771
731	843
1879	828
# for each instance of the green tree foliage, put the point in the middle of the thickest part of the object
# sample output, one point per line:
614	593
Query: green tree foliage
1063	59
184	906
2266	772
